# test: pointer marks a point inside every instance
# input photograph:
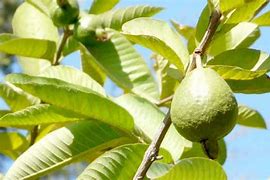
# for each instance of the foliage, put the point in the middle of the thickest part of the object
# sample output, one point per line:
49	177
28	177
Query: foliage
70	118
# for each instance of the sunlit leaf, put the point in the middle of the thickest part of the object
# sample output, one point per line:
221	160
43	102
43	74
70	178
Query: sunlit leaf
125	66
78	99
263	20
28	47
159	37
100	6
186	31
226	5
120	163
202	24
158	169
29	22
148	118
64	146
196	168
250	117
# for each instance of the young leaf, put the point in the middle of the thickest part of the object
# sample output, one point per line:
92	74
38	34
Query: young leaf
38	115
125	66
90	65
29	22
74	98
231	39
236	73
196	168
254	86
263	20
101	6
120	163
73	76
16	98
244	58
147	119
64	146
159	37
28	47
250	117
246	12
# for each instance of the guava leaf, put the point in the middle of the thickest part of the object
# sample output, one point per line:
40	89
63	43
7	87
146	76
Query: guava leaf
77	99
120	163
262	20
73	76
246	12
158	169
101	6
226	5
186	31
202	24
38	115
231	39
250	117
148	118
196	168
29	22
159	37
16	98
125	66
42	5
255	86
28	47
236	73
64	146
244	58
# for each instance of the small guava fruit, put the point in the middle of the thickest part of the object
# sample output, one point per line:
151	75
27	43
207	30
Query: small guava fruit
204	109
66	14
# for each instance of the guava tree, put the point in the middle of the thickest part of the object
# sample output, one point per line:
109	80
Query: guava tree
183	109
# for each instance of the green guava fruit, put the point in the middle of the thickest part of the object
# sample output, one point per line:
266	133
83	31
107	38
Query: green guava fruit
204	108
66	14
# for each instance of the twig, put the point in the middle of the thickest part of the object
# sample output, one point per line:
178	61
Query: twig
152	152
165	100
67	33
34	134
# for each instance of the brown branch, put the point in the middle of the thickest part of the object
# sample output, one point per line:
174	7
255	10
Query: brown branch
152	152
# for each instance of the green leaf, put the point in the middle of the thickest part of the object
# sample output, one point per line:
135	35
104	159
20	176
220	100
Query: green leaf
226	5
71	46
186	31
16	98
90	65
64	146
120	163
28	47
4	112
29	22
73	76
42	5
202	24
38	115
254	86
250	117
236	73
250	59
196	168
74	98
159	37
250	39
12	144
262	20
147	119
100	6
197	151
246	12
231	39
125	66
158	169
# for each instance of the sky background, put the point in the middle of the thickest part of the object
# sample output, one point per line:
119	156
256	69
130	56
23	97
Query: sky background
247	148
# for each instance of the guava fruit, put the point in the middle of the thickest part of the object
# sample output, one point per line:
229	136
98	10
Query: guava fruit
65	14
204	108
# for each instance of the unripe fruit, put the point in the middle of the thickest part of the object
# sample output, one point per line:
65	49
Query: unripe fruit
204	107
64	14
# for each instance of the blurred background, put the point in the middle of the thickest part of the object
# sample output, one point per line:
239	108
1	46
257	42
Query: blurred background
247	148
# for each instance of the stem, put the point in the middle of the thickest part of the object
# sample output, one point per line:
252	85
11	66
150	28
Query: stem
152	152
165	100
62	3
67	33
34	134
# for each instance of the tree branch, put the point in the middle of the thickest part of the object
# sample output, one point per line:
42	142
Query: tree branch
165	100
152	152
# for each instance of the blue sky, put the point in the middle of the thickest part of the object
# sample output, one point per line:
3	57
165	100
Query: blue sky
248	148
